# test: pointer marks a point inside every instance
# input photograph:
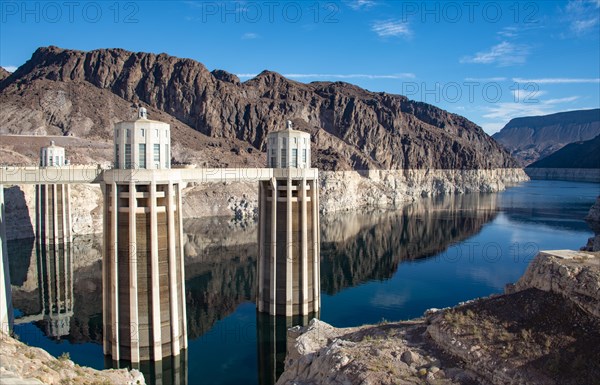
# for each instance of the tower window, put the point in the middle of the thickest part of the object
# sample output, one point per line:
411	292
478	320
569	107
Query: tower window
283	157
294	157
304	156
157	155
142	155
167	158
128	155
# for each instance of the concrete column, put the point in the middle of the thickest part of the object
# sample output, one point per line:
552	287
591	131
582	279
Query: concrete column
273	282
68	213
304	248
113	263
155	289
54	215
181	267
173	261
133	284
38	213
261	245
105	267
6	309
316	255
46	214
63	191
289	295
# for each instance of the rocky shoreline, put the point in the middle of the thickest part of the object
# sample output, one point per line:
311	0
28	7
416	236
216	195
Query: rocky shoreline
339	191
543	330
25	365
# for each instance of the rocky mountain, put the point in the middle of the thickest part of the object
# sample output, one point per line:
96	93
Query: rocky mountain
217	119
535	137
584	154
3	74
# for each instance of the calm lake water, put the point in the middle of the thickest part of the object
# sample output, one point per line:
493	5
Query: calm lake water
388	265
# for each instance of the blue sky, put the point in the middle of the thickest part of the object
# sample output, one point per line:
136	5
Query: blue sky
488	61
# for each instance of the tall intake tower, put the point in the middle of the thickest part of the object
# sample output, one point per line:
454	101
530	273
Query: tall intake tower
289	259
53	206
142	270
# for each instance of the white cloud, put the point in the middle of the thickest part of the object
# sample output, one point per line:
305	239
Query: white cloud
503	54
391	28
491	79
558	80
358	5
526	95
406	75
250	36
583	17
10	68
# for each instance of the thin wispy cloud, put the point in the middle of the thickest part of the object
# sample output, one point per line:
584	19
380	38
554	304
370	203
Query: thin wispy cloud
583	17
527	96
503	54
509	32
405	75
359	5
391	28
491	79
250	36
558	80
10	68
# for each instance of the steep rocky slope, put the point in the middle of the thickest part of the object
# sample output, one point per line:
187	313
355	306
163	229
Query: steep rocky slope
3	74
66	92
535	137
584	154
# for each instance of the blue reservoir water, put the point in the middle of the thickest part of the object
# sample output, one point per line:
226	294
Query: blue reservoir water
388	265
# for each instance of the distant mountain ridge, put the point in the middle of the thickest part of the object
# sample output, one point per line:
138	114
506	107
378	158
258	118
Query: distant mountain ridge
532	138
68	92
584	154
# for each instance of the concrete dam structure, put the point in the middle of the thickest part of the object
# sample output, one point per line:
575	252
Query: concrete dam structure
143	277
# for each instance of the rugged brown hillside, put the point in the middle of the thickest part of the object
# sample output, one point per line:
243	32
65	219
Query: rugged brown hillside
533	138
82	93
3	74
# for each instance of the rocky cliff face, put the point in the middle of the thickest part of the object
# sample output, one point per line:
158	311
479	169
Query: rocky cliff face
535	137
83	93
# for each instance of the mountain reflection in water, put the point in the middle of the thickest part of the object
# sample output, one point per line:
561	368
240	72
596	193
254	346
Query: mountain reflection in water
221	258
374	265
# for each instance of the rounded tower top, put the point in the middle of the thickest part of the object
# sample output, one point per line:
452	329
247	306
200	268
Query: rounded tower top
288	148
52	155
142	143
